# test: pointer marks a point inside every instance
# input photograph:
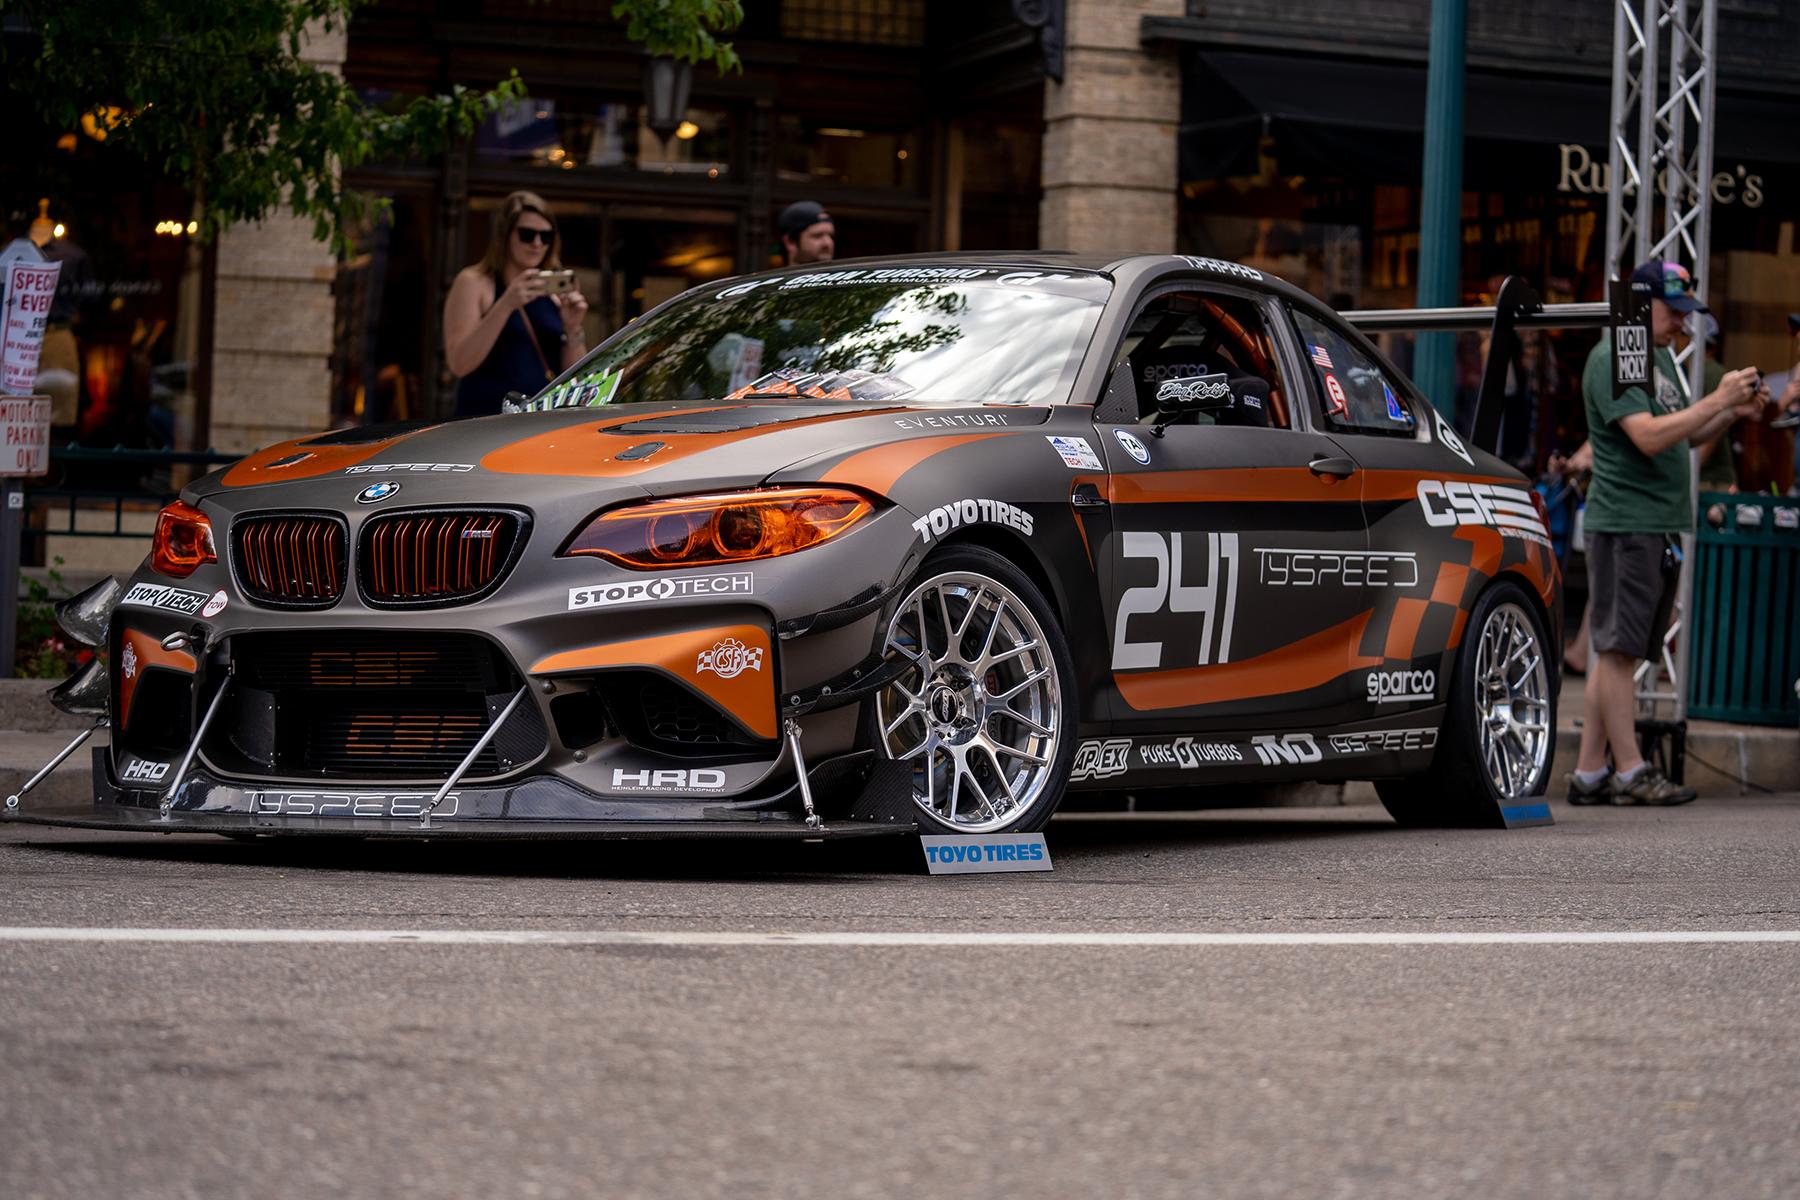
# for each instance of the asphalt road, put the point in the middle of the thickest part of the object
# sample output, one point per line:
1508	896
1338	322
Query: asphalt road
675	1068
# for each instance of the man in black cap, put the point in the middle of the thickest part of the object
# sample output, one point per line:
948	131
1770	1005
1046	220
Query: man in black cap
807	233
1637	507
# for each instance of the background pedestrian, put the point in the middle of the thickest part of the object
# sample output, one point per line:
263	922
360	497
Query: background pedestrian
512	321
1637	506
808	233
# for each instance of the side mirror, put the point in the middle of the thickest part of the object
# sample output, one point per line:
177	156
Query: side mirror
1176	398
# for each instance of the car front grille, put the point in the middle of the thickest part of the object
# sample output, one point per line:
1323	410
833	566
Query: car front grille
367	705
430	558
367	742
293	560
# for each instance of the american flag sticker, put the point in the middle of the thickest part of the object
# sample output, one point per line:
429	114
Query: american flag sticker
1320	357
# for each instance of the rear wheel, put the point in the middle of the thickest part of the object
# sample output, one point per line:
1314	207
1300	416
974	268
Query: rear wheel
983	711
1500	729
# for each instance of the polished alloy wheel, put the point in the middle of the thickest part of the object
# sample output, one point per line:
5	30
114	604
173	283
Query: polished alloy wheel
1512	705
977	709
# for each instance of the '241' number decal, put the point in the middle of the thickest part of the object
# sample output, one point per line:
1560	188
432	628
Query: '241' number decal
1216	599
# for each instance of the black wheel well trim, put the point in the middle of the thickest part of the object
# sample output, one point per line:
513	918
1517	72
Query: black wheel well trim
1018	552
1517	577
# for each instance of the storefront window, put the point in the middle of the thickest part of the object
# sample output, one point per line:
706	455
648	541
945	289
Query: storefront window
383	349
124	332
566	134
867	22
1000	183
810	151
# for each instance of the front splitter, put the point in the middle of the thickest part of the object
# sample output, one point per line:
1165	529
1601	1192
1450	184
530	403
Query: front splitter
142	820
862	799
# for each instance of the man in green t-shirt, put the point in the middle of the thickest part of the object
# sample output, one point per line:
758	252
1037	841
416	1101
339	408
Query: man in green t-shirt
1638	503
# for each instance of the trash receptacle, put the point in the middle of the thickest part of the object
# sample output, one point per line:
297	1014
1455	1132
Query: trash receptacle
1746	629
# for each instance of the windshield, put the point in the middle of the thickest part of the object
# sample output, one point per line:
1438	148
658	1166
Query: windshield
913	334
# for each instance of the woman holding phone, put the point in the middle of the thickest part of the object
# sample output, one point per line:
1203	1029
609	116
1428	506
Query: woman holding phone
512	321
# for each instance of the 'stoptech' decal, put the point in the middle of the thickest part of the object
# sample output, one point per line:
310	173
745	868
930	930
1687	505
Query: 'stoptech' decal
156	595
639	591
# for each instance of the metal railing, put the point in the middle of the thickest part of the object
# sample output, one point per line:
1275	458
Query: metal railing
56	501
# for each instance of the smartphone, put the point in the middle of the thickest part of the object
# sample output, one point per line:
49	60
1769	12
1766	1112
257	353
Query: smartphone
558	282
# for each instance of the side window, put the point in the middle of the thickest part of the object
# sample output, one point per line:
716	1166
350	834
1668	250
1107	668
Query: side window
1355	394
1189	335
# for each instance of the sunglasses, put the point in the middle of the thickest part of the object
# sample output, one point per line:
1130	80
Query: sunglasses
528	236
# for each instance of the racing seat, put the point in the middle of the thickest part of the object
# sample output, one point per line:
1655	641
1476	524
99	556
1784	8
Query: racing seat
1151	369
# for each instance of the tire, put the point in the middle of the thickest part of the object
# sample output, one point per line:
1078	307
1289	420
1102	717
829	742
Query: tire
1500	730
987	712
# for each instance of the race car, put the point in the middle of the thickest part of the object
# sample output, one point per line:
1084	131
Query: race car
922	543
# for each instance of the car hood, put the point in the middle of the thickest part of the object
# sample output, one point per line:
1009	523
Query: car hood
581	453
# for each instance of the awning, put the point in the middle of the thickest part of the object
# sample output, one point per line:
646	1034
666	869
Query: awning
1365	118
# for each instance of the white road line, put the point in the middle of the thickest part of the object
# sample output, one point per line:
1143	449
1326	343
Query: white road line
629	937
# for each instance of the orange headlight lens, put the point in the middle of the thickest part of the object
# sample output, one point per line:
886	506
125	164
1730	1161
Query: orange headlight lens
183	541
726	527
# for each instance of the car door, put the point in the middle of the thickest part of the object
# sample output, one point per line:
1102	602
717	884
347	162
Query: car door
1233	592
1416	574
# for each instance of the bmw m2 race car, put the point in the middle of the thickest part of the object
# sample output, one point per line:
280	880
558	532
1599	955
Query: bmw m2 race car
856	547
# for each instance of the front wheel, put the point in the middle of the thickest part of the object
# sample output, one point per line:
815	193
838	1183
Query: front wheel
1500	730
983	711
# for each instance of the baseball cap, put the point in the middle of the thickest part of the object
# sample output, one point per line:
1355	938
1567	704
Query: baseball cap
800	216
1670	283
1794	322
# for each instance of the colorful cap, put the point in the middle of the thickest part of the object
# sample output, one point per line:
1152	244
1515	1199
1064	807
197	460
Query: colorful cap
1670	283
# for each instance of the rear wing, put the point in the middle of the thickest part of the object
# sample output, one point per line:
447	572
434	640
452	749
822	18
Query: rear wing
1516	307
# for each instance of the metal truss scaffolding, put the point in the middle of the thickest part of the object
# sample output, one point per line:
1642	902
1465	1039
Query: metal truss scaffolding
1662	156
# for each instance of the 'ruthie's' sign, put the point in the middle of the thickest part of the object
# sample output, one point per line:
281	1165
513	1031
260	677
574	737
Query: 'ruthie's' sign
1582	172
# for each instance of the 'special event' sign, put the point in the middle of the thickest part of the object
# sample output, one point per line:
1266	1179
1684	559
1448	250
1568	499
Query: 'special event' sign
30	287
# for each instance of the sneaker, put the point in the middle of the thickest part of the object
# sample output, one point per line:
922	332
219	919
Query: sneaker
1598	792
1650	787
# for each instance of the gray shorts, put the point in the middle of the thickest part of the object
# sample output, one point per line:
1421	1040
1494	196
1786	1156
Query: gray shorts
1630	595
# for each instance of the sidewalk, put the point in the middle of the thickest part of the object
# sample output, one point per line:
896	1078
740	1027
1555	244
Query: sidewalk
31	731
1764	754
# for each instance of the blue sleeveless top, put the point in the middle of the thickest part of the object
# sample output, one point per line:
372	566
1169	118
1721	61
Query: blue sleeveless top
512	365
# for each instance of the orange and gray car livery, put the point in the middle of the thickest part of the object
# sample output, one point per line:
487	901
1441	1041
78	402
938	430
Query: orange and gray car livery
916	543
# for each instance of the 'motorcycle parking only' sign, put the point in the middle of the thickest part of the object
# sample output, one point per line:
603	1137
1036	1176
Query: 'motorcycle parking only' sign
24	436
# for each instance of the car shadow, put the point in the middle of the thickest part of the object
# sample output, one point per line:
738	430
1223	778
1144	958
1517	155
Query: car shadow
1072	839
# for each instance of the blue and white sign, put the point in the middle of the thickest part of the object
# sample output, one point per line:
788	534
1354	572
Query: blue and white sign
1134	446
377	492
982	853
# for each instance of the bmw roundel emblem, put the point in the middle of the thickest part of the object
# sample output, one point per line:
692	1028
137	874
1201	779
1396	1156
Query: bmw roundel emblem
1133	446
377	492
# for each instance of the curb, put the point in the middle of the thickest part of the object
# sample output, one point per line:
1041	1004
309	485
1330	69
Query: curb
25	708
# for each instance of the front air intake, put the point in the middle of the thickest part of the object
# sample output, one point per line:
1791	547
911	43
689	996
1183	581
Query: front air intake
371	705
290	560
431	558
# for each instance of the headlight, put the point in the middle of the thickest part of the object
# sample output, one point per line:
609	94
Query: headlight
183	541
727	527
